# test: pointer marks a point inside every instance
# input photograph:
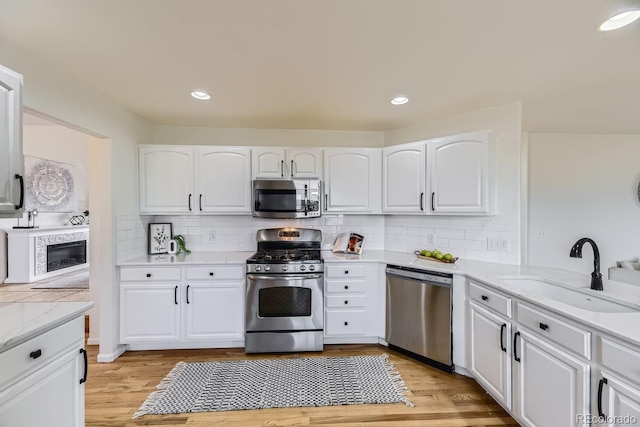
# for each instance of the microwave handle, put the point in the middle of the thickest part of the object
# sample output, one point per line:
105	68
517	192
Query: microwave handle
282	168
291	168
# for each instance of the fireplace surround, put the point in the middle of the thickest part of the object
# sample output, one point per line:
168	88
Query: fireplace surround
40	253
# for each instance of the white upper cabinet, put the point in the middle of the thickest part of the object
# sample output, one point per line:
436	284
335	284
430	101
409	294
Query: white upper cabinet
403	179
185	179
458	173
223	180
166	179
286	163
11	158
450	175
352	180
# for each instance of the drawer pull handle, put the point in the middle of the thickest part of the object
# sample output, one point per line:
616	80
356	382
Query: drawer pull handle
544	326
188	293
515	346
148	274
502	329
346	286
346	323
346	302
211	273
175	295
83	352
603	381
484	297
346	272
35	354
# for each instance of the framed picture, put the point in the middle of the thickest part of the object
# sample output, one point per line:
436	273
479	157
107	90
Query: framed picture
159	236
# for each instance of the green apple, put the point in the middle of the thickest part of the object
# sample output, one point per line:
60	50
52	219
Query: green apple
448	257
438	256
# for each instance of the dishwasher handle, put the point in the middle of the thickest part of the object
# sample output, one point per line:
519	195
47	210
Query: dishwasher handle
420	277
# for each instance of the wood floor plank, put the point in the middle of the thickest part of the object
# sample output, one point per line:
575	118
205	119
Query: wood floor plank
115	391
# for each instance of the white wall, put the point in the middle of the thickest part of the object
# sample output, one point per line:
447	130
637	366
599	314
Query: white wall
265	137
466	237
55	94
583	186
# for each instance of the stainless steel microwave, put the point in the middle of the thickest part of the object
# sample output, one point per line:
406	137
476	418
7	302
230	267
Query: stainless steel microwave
287	198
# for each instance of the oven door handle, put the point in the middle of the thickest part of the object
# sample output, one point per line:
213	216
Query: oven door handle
283	276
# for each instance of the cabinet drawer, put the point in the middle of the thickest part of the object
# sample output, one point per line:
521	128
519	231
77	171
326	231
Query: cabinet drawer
344	322
40	350
491	299
344	271
554	329
153	274
622	359
348	286
216	272
345	301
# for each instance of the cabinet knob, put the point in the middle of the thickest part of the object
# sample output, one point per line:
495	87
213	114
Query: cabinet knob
484	297
346	272
35	354
211	273
346	286
544	326
346	302
346	323
148	274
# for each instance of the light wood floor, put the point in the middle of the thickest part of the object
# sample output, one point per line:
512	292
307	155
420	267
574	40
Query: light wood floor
114	391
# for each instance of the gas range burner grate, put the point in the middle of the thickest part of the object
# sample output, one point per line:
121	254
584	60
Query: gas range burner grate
285	255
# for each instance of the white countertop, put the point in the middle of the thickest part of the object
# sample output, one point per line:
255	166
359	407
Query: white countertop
21	321
622	325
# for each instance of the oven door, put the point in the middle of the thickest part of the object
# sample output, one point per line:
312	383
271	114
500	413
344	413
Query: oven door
284	302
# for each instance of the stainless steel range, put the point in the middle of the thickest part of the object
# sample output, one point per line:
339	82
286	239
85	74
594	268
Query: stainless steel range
285	296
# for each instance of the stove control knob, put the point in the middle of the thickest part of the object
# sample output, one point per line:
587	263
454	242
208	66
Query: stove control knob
312	267
267	268
258	268
303	268
285	267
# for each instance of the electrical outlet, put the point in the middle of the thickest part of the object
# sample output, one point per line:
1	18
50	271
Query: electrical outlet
212	236
431	239
497	244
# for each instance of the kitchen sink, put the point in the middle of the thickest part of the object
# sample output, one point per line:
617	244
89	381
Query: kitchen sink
578	297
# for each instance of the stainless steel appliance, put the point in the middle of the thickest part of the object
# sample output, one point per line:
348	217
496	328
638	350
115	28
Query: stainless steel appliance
285	292
419	314
286	198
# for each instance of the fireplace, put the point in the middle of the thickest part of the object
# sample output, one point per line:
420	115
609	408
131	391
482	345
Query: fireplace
65	255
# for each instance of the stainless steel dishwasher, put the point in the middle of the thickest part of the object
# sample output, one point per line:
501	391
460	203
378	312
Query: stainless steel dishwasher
419	314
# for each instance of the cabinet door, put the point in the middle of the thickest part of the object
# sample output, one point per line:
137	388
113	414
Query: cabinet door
268	162
149	312
214	310
490	352
223	180
304	163
352	180
551	386
11	159
51	396
166	179
619	400
457	168
403	178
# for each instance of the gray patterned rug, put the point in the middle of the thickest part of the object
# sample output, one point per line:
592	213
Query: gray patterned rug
276	383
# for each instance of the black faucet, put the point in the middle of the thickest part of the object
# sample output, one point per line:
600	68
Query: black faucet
576	252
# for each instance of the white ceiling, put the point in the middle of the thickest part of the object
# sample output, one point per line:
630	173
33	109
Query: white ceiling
334	64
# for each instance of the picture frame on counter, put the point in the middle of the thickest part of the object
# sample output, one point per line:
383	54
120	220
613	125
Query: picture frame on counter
159	235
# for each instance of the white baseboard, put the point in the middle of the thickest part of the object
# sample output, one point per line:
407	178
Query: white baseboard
110	357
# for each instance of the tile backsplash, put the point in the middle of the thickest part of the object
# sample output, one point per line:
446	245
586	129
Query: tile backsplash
465	237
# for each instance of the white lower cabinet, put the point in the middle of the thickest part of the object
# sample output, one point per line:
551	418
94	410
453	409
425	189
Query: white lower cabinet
351	303
490	352
551	386
45	381
182	307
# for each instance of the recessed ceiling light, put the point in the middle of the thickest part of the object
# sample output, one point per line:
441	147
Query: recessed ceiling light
620	20
201	94
399	100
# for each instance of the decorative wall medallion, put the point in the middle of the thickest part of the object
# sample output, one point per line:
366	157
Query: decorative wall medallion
49	185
